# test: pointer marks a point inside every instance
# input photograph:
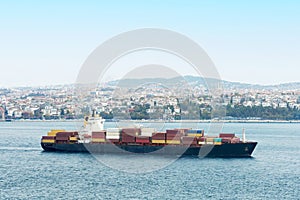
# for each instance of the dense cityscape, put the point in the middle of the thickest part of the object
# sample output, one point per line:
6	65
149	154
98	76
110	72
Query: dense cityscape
150	101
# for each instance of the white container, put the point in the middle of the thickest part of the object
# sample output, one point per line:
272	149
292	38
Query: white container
108	137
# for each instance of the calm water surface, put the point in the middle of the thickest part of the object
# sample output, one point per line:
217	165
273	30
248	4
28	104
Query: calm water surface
26	172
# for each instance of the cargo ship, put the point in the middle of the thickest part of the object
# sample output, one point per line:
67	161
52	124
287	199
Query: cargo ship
180	142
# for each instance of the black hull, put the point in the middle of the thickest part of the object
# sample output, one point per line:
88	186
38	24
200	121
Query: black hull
229	150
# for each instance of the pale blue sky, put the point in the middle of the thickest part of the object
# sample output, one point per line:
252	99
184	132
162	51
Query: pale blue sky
45	43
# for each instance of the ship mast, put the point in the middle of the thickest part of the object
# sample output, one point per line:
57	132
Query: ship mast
244	135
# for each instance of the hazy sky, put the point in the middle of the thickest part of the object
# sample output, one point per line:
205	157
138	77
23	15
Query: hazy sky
45	43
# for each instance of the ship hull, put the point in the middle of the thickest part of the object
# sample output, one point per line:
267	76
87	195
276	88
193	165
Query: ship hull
229	150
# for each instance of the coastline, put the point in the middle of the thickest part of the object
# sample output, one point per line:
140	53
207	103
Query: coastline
165	121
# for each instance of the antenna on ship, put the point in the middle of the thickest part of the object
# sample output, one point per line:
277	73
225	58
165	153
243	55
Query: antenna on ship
244	135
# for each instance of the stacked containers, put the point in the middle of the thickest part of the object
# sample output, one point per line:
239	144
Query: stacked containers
217	141
209	140
174	136
54	131
48	139
201	140
195	133
158	138
113	134
227	137
128	135
64	137
142	139
98	136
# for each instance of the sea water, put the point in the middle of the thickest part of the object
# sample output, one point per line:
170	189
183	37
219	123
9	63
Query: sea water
27	172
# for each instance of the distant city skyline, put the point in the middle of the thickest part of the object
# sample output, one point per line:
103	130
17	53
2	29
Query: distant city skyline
45	43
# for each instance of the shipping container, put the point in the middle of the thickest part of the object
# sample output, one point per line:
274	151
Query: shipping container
64	134
174	132
173	141
48	137
209	139
73	138
62	138
226	135
98	134
195	131
54	131
95	140
173	137
142	139
158	141
112	134
113	140
217	139
112	137
48	141
159	136
195	134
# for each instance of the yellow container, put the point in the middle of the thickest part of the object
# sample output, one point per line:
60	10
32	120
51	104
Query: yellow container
98	140
54	131
158	141
217	143
209	139
195	134
73	139
48	141
173	141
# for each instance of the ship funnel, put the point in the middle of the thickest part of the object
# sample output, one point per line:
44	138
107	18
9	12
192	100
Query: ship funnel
244	135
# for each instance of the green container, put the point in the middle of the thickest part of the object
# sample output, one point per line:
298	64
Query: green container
217	139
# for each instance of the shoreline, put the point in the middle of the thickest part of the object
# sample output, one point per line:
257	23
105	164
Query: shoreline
167	121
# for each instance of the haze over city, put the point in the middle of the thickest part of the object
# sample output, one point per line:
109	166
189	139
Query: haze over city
44	43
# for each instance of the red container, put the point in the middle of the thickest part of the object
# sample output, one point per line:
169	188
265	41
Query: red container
128	139
62	138
48	137
100	135
64	134
173	132
114	140
202	139
159	136
142	139
226	135
173	137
